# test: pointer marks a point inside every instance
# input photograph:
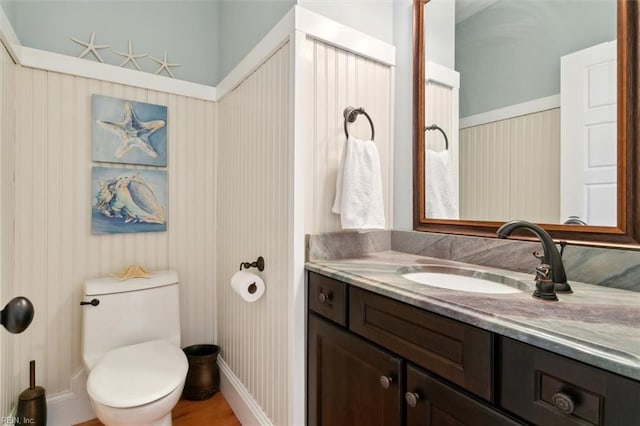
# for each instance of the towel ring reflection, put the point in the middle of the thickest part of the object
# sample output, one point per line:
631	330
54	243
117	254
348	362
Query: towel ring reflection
436	127
351	114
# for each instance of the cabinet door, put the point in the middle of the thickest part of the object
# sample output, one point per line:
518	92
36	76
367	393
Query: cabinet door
351	382
431	402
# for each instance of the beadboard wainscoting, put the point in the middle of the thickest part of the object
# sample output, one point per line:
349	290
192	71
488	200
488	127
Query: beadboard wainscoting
519	159
337	79
55	251
7	153
253	219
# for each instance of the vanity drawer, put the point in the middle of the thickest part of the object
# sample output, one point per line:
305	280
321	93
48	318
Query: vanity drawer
455	351
328	297
532	379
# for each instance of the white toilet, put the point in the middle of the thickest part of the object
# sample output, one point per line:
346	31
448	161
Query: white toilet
131	349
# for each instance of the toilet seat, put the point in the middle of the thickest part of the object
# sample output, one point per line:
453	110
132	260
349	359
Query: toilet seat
138	374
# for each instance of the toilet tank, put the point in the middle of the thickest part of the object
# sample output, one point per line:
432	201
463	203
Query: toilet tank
129	311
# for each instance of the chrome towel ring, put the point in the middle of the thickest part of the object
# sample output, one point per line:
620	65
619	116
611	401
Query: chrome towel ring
350	115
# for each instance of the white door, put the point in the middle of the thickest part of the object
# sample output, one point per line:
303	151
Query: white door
588	135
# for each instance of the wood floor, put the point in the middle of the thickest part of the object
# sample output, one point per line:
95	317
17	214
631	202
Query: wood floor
213	411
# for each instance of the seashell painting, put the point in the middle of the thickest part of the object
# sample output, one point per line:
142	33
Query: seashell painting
129	132
128	200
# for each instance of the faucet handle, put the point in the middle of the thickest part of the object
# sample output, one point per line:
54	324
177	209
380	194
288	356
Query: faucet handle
544	285
538	254
542	272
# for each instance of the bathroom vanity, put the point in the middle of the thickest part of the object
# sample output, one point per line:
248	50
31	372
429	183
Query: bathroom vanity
384	350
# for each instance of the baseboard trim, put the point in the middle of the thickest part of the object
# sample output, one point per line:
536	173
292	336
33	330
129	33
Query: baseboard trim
246	409
73	406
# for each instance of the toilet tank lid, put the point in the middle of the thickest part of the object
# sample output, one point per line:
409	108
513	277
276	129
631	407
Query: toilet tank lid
110	285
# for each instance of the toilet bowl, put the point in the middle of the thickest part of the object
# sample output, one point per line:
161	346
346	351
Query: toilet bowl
138	384
131	349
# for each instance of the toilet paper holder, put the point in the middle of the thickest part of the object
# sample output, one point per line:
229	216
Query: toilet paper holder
259	263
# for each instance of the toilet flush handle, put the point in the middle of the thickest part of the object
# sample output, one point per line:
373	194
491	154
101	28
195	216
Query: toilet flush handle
94	302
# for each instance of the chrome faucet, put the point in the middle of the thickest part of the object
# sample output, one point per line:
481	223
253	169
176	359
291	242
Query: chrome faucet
550	275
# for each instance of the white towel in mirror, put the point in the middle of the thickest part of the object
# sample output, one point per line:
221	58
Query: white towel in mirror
439	192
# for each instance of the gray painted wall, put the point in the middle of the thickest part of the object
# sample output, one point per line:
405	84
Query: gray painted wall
242	24
208	37
186	29
8	8
510	52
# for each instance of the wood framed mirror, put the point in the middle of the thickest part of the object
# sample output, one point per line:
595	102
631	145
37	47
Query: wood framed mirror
623	228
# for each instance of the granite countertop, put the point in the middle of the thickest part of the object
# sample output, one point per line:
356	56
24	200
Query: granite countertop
596	325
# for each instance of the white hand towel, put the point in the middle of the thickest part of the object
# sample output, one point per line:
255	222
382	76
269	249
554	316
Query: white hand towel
359	186
440	194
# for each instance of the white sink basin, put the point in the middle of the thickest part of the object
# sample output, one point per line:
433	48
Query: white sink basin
461	279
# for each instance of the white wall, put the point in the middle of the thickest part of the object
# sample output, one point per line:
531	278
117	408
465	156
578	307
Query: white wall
54	248
372	17
264	355
338	79
403	108
7	149
440	32
253	220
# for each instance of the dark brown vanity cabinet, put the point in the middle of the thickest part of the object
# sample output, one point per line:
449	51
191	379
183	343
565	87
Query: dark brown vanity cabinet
373	360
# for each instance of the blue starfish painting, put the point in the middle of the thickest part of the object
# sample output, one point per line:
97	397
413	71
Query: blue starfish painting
129	132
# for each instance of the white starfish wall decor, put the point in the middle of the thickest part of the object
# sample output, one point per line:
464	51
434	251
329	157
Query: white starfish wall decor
90	46
164	65
130	57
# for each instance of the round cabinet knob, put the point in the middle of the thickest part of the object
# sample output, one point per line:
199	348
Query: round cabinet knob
385	381
323	298
412	399
563	402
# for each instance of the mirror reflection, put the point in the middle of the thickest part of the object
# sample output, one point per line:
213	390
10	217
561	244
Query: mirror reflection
520	111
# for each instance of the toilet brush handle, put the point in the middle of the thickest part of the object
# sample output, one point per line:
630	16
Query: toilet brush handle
32	374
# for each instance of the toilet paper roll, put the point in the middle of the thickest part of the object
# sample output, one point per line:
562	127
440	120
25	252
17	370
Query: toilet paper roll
249	286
